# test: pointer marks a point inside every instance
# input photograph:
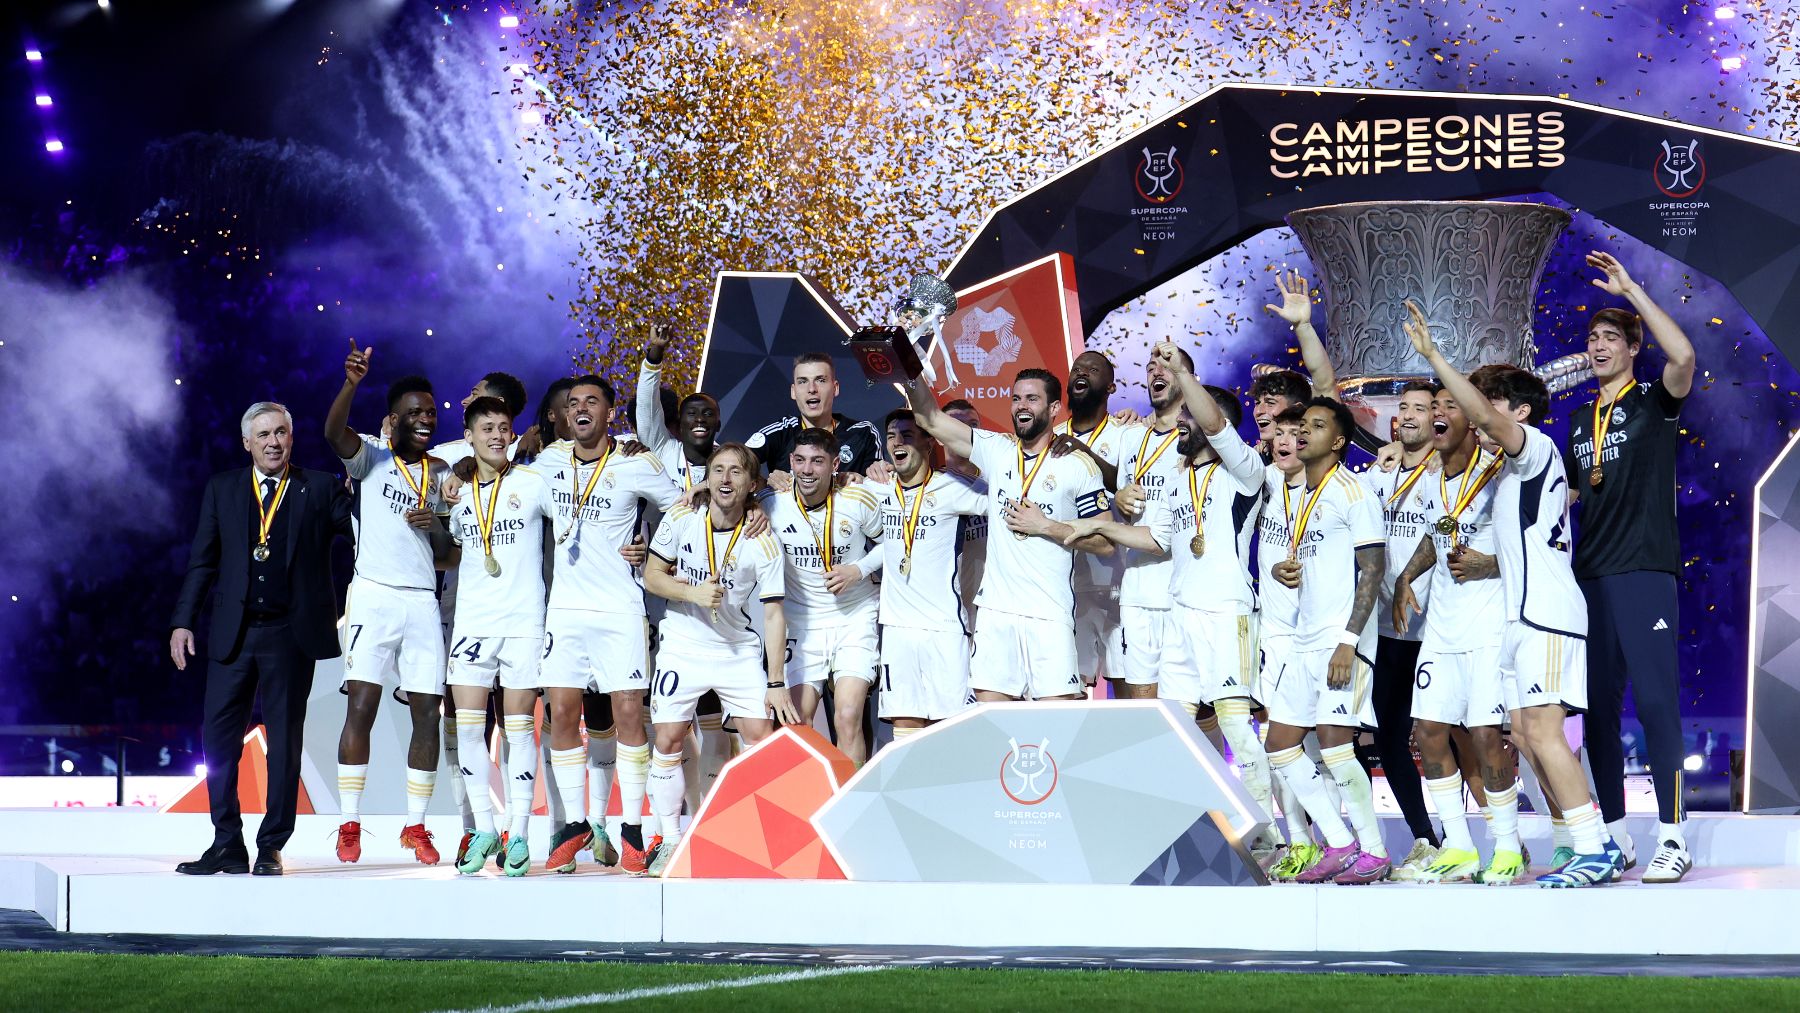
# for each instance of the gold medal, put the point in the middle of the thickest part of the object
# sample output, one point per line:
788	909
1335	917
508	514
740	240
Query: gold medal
1595	477
1197	492
1474	479
582	492
492	565
1031	476
824	546
713	567
906	566
1603	422
265	512
1446	524
485	525
909	519
1198	545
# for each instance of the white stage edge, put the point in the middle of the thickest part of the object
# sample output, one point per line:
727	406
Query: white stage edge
1740	901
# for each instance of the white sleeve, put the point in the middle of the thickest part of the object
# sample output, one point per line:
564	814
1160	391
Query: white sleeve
652	428
1366	525
1091	499
1160	519
364	461
658	487
985	449
1241	462
663	543
771	580
1537	450
965	497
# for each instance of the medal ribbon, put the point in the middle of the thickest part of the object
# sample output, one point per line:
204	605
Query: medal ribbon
581	496
909	524
712	561
1311	501
1032	476
1418	473
1198	492
1068	428
486	526
266	511
1465	492
830	512
1603	419
1143	466
424	482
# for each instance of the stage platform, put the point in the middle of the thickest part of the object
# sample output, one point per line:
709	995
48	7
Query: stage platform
112	872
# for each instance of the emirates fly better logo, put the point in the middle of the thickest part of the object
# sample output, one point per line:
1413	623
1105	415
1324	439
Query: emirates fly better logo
1028	773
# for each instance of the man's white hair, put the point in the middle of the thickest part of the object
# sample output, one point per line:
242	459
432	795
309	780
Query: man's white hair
262	408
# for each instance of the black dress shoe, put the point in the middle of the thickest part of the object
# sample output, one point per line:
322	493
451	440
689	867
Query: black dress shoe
217	859
268	862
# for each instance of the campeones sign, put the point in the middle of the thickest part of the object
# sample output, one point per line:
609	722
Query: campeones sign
1519	140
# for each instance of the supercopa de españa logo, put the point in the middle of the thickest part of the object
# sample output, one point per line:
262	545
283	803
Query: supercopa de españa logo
1028	773
1680	170
1159	176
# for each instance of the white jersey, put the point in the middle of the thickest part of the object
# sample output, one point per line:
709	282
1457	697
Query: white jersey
751	573
590	574
512	604
927	594
452	454
1279	604
1531	521
1033	576
653	431
845	523
1344	517
1463	617
1152	459
389	550
1097	573
1230	493
1405	523
973	567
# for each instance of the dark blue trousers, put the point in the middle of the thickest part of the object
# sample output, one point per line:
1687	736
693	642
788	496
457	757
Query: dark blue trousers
1631	639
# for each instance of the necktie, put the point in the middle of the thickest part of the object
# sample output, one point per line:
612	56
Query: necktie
268	488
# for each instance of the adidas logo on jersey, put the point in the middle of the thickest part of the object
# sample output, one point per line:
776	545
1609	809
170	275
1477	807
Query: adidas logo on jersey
466	772
687	548
1661	624
1340	710
790	530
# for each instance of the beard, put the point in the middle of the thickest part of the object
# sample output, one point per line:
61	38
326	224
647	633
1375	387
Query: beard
1091	401
1033	429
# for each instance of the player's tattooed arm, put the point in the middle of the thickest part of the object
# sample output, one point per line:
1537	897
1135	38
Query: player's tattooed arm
1423	558
1371	568
1467	564
343	439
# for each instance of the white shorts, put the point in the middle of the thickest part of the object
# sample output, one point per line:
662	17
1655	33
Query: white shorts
605	652
1272	651
1099	640
1209	656
1022	657
684	676
393	632
479	661
835	652
1142	638
924	674
1302	698
1464	688
1543	668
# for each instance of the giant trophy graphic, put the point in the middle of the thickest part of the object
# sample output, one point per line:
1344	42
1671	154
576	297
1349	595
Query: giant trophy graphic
1473	266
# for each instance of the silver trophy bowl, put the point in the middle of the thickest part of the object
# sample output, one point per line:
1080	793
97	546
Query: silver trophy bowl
1473	266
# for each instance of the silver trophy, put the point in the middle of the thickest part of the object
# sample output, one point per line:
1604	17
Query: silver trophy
1473	266
929	301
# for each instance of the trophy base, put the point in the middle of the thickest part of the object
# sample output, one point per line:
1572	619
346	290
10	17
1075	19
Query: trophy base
886	355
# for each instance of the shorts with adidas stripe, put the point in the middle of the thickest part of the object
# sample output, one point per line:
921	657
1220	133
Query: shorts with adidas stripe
1460	688
1542	667
1207	656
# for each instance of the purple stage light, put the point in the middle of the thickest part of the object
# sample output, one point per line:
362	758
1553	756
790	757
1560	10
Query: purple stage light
1724	13
43	101
53	146
509	21
1731	63
34	56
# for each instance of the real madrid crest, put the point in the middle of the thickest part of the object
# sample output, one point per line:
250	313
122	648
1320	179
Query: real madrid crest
608	482
843	529
512	501
1049	483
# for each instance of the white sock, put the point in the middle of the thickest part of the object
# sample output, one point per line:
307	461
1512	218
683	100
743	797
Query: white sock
1299	829
1353	781
1311	745
568	767
1559	833
1586	832
715	750
459	792
1302	777
602	762
1670	832
351	778
1247	751
1503	812
899	733
668	789
474	769
419	784
1446	798
521	773
690	770
634	772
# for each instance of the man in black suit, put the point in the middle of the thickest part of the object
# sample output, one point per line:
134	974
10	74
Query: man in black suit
263	550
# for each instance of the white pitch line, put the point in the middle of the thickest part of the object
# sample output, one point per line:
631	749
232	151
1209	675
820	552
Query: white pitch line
602	998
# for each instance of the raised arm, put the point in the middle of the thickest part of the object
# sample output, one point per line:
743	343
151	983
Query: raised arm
1499	426
956	436
1678	351
652	428
1296	309
337	421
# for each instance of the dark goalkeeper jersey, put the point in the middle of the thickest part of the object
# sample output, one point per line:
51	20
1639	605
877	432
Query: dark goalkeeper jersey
1628	522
